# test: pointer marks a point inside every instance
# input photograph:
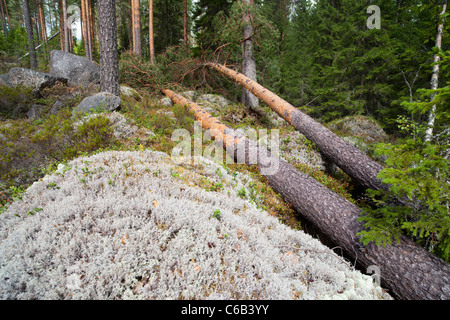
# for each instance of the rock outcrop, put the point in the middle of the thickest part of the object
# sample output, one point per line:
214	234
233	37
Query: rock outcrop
30	78
79	71
102	101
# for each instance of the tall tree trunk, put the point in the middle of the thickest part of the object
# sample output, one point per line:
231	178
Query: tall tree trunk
150	32
137	43
37	27
350	159
86	28
435	76
65	27
7	13
61	25
248	61
30	36
185	23
109	60
42	23
130	23
408	270
3	19
94	40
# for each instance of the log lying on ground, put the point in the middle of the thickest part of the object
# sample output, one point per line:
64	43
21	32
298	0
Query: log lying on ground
351	160
407	270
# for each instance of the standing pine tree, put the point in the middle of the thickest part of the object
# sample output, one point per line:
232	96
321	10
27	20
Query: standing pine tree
29	27
109	61
248	59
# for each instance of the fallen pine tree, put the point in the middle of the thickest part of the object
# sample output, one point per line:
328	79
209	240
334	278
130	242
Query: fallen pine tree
406	269
350	159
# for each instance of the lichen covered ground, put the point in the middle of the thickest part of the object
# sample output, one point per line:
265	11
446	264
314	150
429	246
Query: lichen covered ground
134	225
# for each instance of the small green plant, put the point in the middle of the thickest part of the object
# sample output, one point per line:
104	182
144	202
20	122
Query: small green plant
52	186
34	211
217	214
174	174
216	187
242	193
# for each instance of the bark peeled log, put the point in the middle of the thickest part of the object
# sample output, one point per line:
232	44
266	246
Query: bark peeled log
407	270
351	160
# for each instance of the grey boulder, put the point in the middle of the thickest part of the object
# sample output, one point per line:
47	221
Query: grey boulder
102	101
79	71
30	78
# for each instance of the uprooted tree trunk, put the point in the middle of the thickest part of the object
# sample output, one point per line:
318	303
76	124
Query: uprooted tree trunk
350	159
408	270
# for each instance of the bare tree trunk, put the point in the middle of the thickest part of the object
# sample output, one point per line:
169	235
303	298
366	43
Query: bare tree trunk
137	43
7	13
93	32
42	23
3	19
61	25
350	159
185	23
408	270
150	31
86	28
30	36
65	28
109	60
435	76
248	61
35	21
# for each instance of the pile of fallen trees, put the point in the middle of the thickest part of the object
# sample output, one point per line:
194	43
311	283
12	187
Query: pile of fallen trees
407	270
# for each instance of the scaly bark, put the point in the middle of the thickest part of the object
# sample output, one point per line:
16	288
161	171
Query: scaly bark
408	270
109	60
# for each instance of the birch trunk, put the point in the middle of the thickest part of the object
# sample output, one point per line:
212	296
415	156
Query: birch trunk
435	76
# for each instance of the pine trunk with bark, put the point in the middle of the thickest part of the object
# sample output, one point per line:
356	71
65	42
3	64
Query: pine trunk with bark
407	270
185	23
3	18
86	28
435	76
30	36
42	24
248	61
150	31
136	14
5	5
350	159
109	60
